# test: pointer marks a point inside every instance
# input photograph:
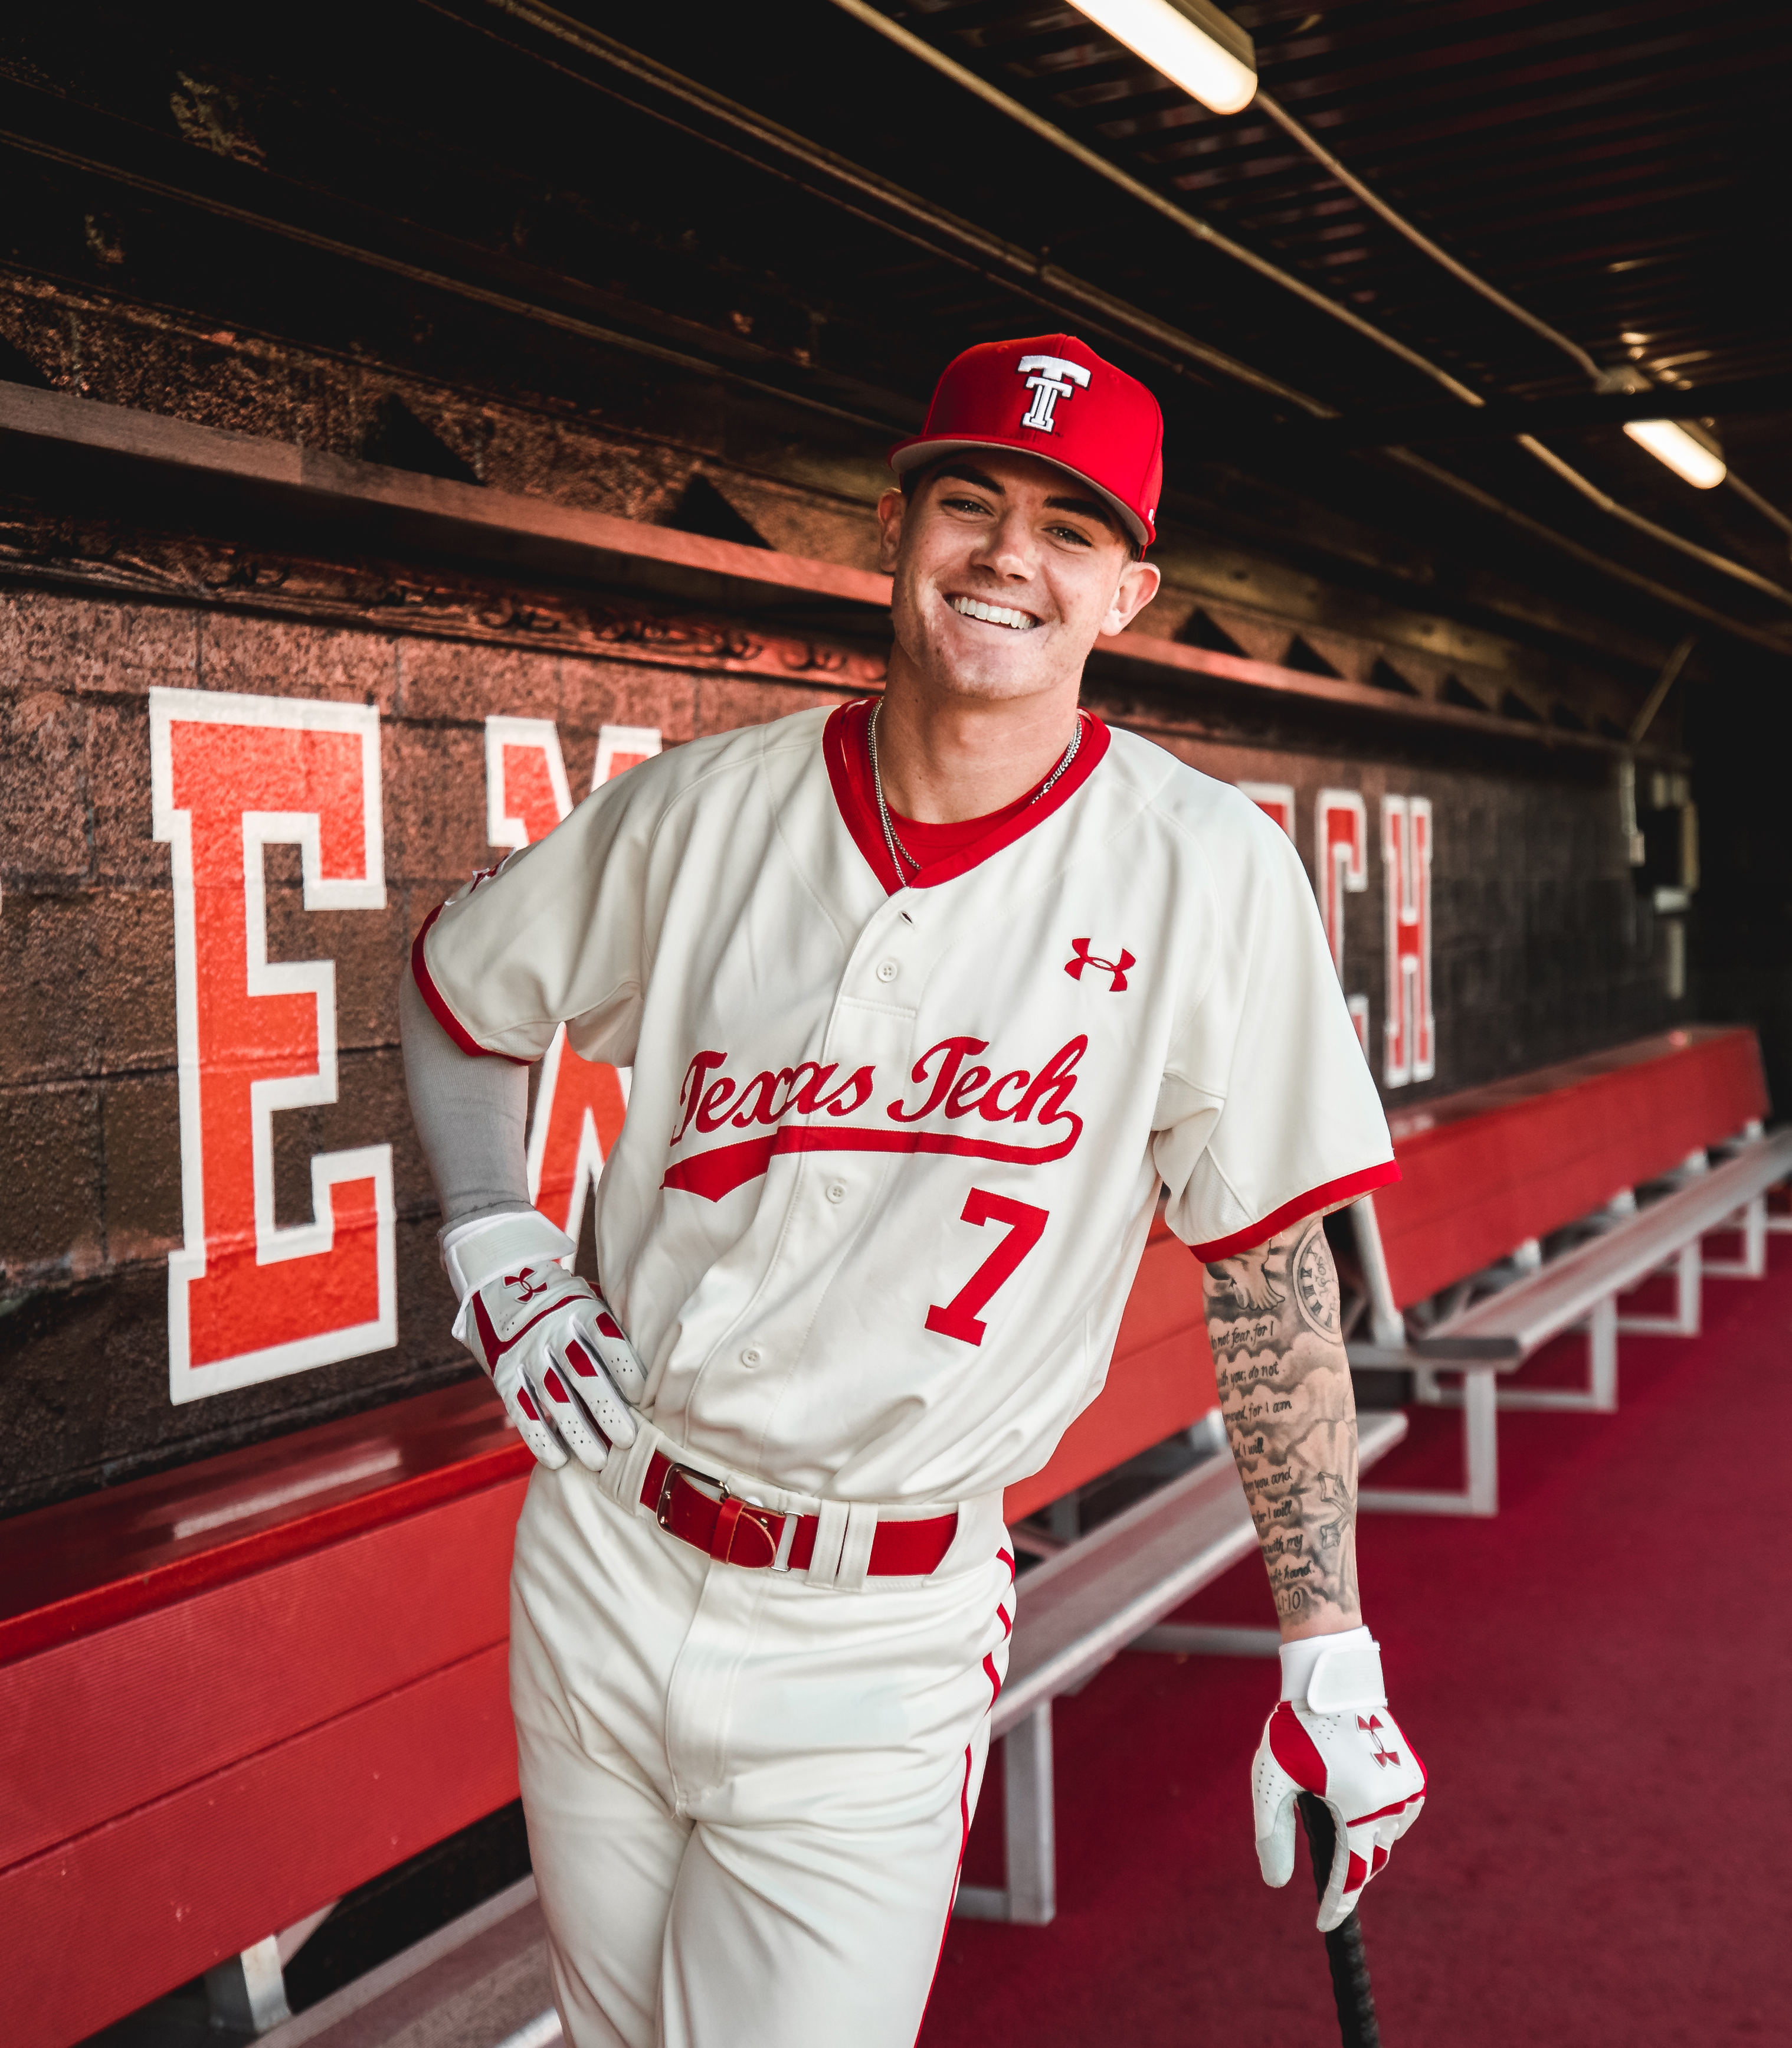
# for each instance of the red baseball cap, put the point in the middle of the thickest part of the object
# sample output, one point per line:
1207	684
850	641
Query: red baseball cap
1052	396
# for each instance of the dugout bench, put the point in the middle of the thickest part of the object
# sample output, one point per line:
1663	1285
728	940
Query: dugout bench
232	1691
1527	1209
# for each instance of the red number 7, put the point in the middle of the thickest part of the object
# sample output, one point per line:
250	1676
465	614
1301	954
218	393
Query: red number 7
959	1317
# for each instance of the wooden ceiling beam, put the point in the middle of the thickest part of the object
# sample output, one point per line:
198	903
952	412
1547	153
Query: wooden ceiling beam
79	451
1411	425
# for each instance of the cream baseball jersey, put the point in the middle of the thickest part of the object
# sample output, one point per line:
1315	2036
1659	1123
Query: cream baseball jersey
892	1153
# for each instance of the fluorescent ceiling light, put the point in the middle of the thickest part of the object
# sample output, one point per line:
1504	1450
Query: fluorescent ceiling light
1700	466
1195	45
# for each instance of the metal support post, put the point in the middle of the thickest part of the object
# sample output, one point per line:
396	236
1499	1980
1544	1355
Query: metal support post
1386	1325
1687	1266
1751	1221
1063	1519
1687	1288
1602	1355
1030	1894
1600	1396
1757	1219
1480	1452
1480	1441
247	1993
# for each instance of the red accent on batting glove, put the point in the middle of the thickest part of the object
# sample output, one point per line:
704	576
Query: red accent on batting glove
535	1328
1350	1751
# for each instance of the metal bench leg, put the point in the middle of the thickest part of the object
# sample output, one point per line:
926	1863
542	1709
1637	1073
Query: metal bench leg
1480	1441
1751	1221
1386	1324
1600	1396
1030	1894
1686	1267
1481	1451
1602	1355
1686	1287
248	1993
1426	1391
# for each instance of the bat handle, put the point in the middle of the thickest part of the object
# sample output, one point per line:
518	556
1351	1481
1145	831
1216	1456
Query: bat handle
1356	2024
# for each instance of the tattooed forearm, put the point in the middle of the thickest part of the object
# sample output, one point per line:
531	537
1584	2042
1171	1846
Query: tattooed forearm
1273	1317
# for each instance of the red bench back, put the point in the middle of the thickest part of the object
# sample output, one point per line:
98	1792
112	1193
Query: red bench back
1161	1379
235	1690
1483	1170
230	1693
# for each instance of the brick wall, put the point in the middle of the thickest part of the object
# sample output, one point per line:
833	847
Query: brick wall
1538	952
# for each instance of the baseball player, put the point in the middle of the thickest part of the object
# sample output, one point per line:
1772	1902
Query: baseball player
930	1001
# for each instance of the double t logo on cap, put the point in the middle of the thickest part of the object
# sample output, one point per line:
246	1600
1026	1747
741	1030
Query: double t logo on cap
1052	377
1112	439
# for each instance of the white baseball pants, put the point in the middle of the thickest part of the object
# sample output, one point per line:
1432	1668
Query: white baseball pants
747	1797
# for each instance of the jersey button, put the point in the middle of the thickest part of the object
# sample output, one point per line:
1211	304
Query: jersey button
752	1356
888	970
837	1191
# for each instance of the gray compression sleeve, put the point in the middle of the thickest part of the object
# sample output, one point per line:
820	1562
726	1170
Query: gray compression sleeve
470	1113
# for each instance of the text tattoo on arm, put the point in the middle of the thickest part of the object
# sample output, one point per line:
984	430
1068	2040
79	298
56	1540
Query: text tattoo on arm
1285	1396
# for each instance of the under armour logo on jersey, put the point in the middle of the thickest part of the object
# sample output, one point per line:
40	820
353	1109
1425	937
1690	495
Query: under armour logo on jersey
1383	1755
523	1285
1051	379
1083	957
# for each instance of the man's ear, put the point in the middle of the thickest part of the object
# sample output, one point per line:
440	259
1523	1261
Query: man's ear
1138	586
891	507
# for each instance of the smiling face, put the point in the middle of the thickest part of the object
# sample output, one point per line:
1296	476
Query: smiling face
1006	570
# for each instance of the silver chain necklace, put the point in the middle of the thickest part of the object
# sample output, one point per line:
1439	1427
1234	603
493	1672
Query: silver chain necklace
894	844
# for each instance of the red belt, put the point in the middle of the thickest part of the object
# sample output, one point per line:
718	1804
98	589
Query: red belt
737	1533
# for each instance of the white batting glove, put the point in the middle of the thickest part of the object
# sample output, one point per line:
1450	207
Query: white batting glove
562	1365
1333	1735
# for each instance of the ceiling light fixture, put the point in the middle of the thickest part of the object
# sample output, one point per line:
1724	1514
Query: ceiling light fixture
1693	453
1191	223
1194	45
1670	443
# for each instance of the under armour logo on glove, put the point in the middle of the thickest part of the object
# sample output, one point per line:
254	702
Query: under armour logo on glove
1325	1744
1371	1728
1082	957
559	1359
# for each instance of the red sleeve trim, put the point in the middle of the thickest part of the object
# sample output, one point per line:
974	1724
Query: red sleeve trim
438	1002
1321	1198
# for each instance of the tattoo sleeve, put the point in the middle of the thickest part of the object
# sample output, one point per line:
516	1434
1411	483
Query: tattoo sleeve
1284	1382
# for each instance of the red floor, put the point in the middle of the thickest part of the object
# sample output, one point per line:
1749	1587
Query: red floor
1599	1681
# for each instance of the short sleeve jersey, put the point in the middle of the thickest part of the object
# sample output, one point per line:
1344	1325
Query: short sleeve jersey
891	1152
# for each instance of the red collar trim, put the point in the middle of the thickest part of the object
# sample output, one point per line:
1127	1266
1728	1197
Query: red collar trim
849	771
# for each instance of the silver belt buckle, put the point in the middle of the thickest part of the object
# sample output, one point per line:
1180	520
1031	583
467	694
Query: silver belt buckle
662	1507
